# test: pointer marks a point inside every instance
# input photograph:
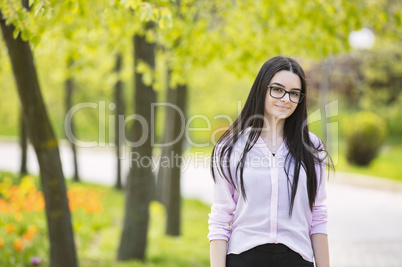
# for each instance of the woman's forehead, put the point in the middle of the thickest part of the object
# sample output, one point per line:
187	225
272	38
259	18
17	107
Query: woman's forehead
287	79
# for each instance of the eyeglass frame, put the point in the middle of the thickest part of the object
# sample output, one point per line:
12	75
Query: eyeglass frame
286	92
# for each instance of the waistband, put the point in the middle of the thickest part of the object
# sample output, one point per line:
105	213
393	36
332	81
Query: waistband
269	247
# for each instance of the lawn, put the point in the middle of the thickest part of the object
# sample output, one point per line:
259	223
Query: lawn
98	229
386	164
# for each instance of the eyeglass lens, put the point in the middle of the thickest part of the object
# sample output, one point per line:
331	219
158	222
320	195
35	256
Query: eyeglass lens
277	92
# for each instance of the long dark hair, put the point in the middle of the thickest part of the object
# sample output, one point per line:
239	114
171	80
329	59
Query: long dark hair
302	151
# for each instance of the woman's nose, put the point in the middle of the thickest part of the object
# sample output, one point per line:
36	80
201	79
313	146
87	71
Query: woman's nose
286	98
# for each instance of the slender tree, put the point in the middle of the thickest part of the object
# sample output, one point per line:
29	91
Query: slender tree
43	139
118	98
69	84
177	120
140	181
162	187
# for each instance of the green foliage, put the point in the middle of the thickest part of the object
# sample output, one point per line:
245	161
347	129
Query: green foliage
70	15
310	29
364	137
191	35
88	34
385	165
382	70
394	118
23	223
26	22
97	234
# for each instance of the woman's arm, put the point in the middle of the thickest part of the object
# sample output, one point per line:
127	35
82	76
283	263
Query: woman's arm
318	231
220	218
320	248
217	253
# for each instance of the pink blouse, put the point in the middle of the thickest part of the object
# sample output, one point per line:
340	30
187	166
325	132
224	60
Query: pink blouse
264	217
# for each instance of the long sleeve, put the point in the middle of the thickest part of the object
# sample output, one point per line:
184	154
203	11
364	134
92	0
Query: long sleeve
223	206
320	212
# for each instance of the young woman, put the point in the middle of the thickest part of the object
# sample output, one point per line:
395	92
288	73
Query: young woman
269	172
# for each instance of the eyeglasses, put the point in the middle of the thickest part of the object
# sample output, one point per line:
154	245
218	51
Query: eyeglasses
278	93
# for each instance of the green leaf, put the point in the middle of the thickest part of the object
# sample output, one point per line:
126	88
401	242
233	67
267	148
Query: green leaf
146	71
165	20
146	12
35	40
15	33
25	35
133	4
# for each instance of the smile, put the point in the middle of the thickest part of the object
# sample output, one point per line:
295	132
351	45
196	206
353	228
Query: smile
281	107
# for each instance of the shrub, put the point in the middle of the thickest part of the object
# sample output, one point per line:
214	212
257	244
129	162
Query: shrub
365	135
395	121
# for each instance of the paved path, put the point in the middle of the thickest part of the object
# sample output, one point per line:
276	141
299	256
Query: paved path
365	213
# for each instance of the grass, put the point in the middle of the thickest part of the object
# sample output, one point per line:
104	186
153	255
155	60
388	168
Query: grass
190	249
97	236
385	165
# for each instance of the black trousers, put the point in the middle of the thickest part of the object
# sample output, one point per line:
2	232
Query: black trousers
267	255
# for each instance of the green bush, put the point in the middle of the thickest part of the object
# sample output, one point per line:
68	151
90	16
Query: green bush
395	121
365	135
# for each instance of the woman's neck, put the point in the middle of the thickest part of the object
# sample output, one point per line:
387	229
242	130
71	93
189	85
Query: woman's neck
272	132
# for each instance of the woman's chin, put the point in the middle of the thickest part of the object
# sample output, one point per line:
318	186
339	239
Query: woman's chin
282	115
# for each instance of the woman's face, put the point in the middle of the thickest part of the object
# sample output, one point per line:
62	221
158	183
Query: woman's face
282	108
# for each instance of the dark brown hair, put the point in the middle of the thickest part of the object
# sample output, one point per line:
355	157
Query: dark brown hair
302	151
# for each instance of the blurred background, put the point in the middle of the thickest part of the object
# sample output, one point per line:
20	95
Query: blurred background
83	81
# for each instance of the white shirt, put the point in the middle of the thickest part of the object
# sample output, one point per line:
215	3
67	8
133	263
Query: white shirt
264	217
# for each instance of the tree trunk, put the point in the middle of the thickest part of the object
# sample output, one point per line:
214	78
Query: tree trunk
119	141
172	179
140	180
42	137
164	172
69	95
24	146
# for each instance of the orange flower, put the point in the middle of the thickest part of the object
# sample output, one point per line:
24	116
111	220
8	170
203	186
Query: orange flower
30	233
33	202
39	202
10	228
1	243
4	207
14	190
28	236
87	199
18	216
18	245
33	229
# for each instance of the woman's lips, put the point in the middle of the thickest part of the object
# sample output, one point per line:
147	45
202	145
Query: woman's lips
282	107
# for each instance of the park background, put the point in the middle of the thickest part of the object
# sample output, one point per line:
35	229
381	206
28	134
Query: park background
201	56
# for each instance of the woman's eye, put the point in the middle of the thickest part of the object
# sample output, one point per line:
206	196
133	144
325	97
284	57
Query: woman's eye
294	93
276	89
